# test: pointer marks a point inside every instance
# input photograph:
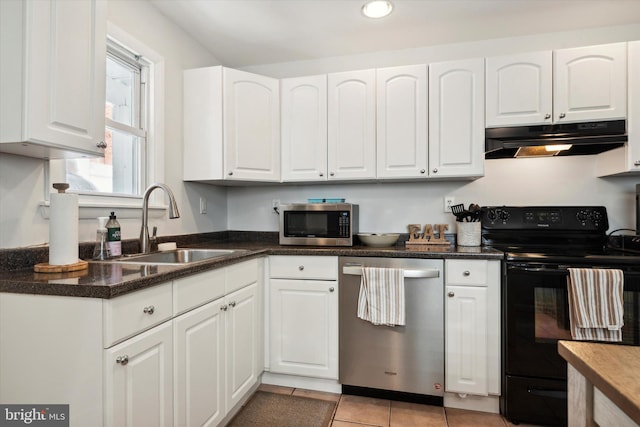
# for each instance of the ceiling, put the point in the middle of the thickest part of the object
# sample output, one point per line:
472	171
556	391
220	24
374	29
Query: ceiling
254	32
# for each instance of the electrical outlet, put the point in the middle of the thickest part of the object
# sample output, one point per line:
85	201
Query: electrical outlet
203	205
448	202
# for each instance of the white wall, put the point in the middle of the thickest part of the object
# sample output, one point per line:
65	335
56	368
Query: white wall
389	207
22	179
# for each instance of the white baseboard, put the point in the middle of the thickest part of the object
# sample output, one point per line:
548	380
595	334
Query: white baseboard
317	384
473	403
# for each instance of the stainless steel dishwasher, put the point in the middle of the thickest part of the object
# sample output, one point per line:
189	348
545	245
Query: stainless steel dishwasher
408	358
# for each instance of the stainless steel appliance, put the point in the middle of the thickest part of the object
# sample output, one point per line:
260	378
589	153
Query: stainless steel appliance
407	360
565	139
540	244
318	224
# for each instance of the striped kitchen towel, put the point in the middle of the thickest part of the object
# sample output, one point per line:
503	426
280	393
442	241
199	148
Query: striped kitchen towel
381	299
596	308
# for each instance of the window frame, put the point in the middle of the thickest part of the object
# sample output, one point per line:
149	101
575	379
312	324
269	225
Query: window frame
93	204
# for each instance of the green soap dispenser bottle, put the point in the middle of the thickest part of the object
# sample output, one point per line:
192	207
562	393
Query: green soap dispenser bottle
113	236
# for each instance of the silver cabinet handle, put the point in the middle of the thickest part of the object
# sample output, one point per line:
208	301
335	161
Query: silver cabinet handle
232	304
636	163
422	171
122	360
230	173
331	173
149	310
466	273
450	294
562	115
547	116
224	307
356	270
435	170
101	144
331	289
301	267
321	173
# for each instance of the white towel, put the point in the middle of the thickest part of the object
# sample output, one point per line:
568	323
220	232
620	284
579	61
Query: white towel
381	299
596	308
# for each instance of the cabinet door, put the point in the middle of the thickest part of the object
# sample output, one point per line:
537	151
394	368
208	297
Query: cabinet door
456	118
242	343
633	122
352	125
304	328
401	94
199	366
304	128
466	340
519	89
139	380
590	83
251	126
65	73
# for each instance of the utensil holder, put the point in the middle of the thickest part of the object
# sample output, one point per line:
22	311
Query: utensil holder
468	233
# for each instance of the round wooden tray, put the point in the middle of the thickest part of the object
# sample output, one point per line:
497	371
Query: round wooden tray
45	267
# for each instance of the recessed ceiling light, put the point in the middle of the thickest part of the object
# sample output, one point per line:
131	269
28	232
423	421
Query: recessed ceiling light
377	9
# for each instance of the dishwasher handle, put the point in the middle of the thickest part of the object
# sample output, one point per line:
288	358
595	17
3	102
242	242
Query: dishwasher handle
356	270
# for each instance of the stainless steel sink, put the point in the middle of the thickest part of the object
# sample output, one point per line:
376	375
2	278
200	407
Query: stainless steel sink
178	256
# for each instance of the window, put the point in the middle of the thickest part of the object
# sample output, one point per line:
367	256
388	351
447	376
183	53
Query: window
122	169
135	136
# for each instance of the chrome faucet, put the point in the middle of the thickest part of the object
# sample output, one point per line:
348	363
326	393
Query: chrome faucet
173	213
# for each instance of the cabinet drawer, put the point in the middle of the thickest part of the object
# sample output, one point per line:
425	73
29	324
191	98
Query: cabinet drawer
466	272
130	314
304	267
241	274
196	290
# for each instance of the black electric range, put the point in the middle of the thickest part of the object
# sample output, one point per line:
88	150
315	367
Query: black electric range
540	243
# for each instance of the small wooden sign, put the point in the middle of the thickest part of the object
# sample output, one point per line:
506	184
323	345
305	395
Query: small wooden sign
427	236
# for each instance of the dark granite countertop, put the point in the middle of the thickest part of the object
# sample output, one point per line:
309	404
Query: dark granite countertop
111	279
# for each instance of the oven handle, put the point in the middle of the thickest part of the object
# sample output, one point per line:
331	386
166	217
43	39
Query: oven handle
356	270
539	269
555	394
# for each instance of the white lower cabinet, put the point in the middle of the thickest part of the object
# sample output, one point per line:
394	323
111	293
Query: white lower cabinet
242	343
138	380
303	316
216	350
472	327
181	353
199	366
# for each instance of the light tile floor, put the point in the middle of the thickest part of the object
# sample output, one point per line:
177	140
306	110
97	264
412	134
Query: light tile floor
357	411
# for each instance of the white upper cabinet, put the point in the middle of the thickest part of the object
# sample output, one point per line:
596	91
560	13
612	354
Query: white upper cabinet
563	86
352	125
626	160
519	89
590	83
456	118
304	128
231	126
52	75
401	98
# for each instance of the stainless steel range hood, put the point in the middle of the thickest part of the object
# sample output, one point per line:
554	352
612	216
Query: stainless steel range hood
567	139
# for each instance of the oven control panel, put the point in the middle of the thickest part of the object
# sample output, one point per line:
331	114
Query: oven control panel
588	218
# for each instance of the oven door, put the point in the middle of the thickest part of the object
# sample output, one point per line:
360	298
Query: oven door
537	316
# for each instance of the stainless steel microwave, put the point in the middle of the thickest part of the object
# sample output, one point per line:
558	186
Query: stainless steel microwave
318	224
